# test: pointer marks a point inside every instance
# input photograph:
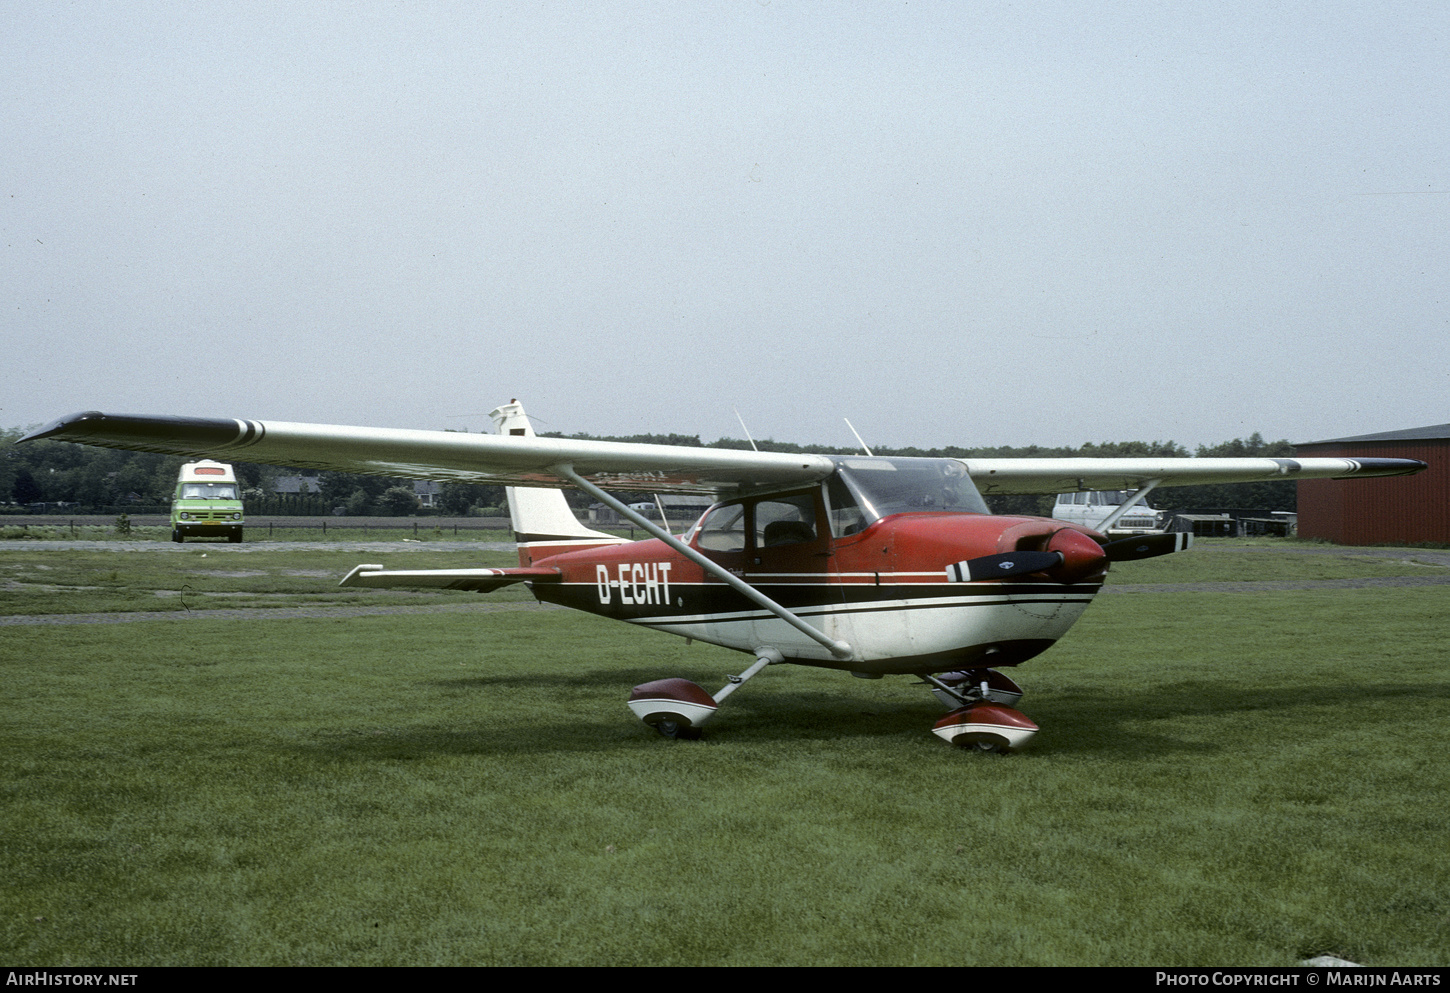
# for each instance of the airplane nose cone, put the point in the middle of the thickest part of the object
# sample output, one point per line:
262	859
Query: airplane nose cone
1082	557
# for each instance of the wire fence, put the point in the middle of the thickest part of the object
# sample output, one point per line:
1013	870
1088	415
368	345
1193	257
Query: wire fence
264	524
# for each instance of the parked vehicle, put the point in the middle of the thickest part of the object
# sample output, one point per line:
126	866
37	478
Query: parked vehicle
1091	507
208	502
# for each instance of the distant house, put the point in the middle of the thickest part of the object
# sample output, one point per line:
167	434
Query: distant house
296	485
1403	510
429	492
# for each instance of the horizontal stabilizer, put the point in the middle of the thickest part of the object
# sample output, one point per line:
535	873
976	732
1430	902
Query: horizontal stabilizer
477	580
1147	546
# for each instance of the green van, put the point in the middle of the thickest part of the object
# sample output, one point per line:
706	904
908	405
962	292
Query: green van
208	502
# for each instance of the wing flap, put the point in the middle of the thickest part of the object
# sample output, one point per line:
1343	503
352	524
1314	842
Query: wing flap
476	580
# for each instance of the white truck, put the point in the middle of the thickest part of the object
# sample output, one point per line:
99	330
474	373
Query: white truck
208	502
1091	508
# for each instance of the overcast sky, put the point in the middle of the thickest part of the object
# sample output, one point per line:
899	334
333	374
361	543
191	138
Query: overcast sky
954	223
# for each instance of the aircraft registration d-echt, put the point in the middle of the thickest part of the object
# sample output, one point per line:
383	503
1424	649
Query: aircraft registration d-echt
869	565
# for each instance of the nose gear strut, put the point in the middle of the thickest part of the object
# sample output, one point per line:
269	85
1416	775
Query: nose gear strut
983	718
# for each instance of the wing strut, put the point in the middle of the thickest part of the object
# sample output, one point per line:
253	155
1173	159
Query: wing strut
839	649
1138	495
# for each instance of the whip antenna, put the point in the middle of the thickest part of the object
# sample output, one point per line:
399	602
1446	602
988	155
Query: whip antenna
858	436
744	428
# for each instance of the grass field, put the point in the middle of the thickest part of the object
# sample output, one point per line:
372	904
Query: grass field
142	577
1221	778
350	529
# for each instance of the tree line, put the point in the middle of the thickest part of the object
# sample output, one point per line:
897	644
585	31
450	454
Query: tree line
103	480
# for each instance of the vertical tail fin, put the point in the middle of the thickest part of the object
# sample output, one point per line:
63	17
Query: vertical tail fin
542	521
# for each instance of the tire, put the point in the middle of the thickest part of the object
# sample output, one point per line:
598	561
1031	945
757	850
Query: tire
678	731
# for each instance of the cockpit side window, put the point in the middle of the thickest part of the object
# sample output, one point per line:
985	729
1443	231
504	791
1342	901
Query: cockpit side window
845	513
763	522
785	520
723	529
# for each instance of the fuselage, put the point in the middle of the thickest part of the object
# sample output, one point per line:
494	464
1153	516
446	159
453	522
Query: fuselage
882	588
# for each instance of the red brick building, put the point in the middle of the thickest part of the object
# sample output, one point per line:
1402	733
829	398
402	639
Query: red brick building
1399	510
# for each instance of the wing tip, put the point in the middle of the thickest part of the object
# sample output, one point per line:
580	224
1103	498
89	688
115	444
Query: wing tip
60	425
166	434
1364	467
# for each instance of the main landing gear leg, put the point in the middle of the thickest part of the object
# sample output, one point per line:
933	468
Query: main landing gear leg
983	718
677	707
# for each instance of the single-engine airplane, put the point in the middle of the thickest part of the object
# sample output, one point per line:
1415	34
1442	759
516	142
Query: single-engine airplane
869	565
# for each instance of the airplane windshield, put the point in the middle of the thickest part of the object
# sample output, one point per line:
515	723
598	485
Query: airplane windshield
208	491
883	486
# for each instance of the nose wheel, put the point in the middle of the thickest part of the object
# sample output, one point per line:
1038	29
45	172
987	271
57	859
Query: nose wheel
986	727
680	730
983	718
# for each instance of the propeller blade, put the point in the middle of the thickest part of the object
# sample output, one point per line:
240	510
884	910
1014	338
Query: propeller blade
1146	546
1004	565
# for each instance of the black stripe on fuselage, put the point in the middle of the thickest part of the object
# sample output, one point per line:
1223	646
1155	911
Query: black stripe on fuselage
737	617
689	602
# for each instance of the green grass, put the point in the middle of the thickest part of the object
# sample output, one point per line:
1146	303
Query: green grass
1221	778
1251	560
354	531
207	576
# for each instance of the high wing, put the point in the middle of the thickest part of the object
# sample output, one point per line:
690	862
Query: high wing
1066	475
533	461
445	455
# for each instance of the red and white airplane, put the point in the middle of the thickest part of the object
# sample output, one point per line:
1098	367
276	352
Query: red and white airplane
870	565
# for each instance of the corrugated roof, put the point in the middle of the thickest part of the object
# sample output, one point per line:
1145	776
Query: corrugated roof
1431	433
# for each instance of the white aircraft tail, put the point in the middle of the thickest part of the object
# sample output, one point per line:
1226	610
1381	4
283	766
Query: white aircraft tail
542	521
